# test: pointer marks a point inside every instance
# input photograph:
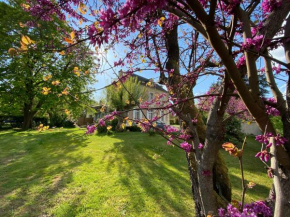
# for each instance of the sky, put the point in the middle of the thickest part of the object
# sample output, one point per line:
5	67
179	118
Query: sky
201	87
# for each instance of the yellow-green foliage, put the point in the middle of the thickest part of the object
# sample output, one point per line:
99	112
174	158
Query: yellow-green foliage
126	95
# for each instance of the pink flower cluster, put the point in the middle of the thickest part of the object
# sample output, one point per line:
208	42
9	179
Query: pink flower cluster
90	129
255	42
130	5
45	9
169	141
241	62
279	140
200	146
269	5
184	136
265	155
229	8
111	116
203	3
145	126
102	123
255	209
276	69
186	147
171	129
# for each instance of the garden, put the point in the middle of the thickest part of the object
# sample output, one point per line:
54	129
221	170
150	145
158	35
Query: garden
145	108
62	172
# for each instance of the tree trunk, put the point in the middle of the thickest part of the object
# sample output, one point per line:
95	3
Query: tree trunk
209	179
120	117
282	175
210	182
281	185
28	116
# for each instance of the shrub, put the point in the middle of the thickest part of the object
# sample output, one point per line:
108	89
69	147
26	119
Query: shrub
109	132
101	129
57	120
151	132
233	130
68	124
133	128
276	120
114	124
39	120
17	121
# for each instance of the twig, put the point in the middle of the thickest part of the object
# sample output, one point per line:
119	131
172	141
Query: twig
244	187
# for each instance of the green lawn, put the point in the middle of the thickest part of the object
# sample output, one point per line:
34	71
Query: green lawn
64	173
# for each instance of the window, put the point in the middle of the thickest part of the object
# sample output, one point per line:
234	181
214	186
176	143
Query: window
137	114
162	115
151	96
150	114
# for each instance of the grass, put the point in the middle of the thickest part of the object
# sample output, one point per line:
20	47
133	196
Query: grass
64	173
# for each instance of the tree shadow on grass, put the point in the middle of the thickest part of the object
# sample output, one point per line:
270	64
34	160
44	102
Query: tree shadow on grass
34	167
158	172
259	191
164	183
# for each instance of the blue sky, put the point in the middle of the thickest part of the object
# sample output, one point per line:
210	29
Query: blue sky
202	84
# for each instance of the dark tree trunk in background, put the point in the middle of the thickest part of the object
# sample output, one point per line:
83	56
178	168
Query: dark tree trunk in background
28	116
120	118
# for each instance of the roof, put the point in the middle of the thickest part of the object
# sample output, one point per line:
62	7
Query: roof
144	81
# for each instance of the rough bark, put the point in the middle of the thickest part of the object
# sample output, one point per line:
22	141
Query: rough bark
281	185
209	190
213	191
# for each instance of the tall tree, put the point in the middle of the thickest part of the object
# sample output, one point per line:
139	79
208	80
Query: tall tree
33	81
125	96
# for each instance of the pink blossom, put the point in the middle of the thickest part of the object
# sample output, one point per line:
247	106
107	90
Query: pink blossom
187	147
277	69
171	129
90	129
254	209
107	18
169	141
200	146
263	155
241	62
269	5
184	136
102	123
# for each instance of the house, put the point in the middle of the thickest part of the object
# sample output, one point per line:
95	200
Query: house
152	92
250	128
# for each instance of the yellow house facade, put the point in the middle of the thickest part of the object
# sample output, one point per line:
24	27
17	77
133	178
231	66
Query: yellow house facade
152	92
